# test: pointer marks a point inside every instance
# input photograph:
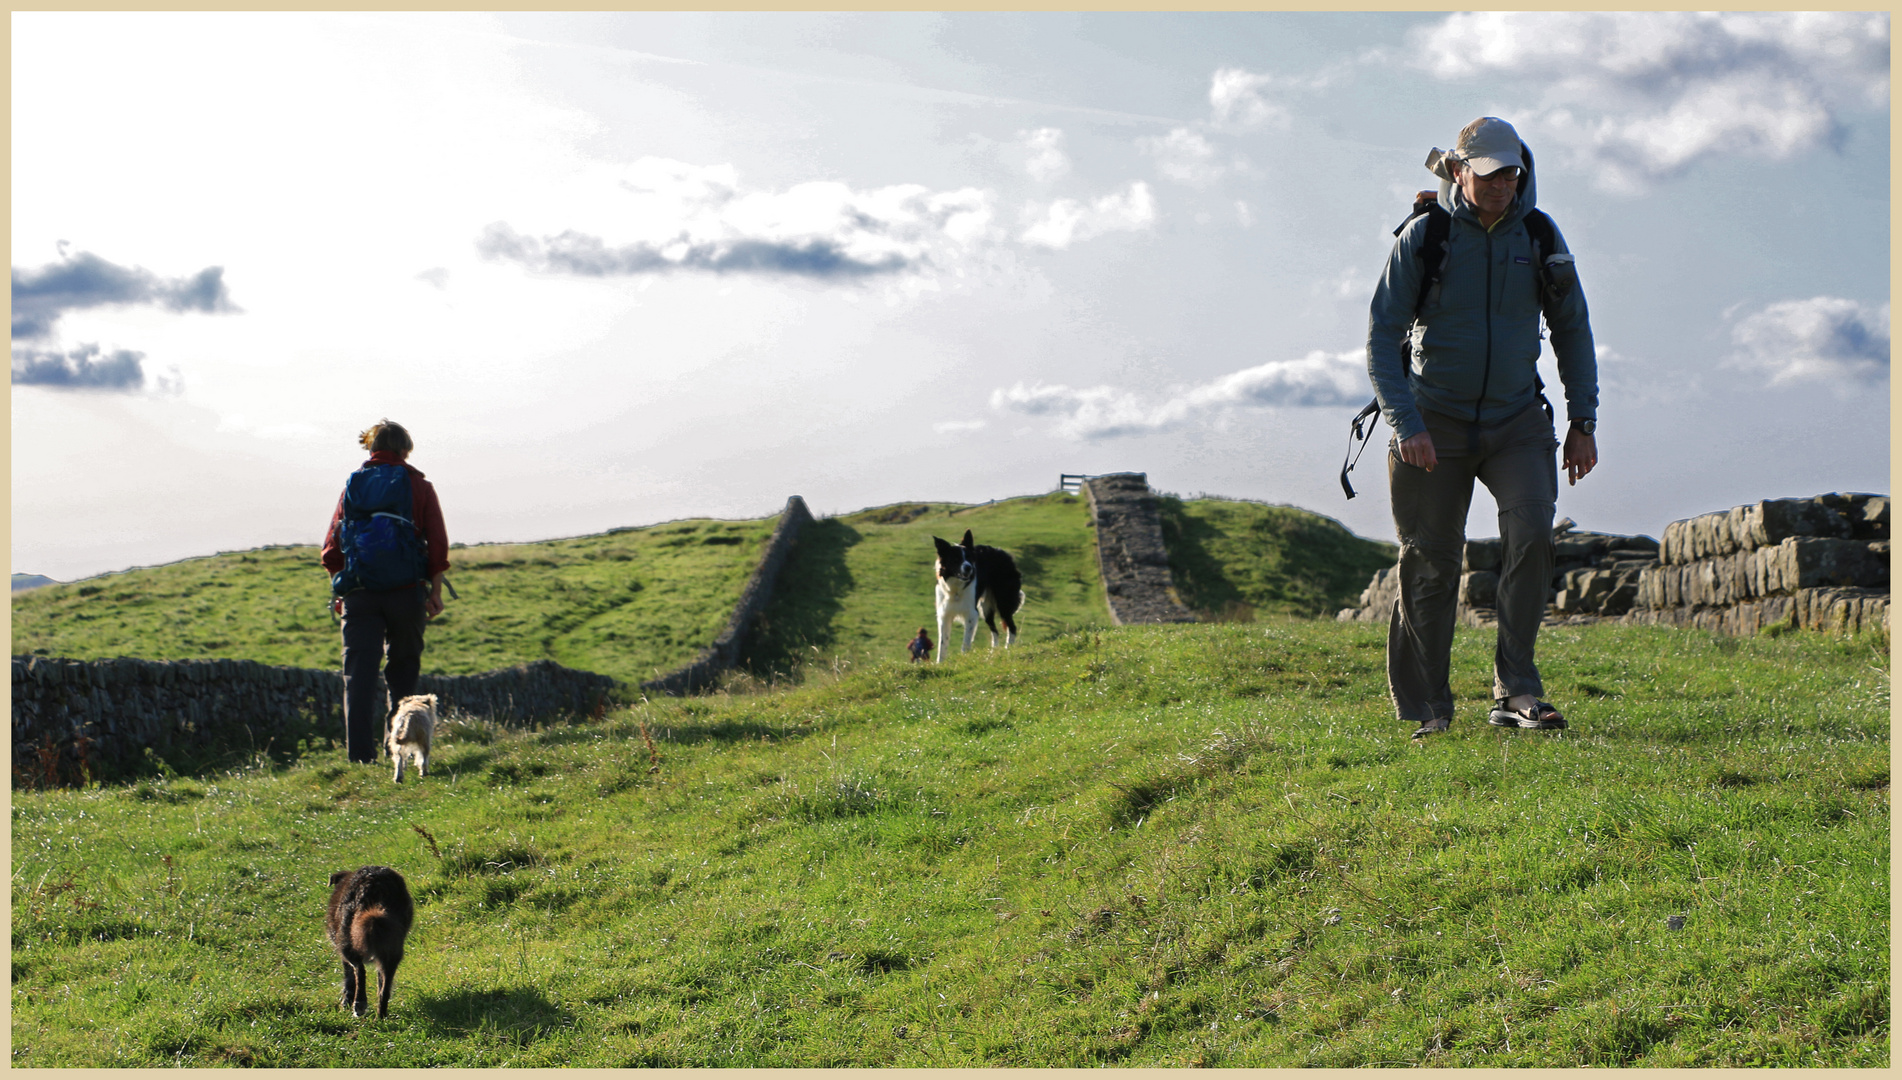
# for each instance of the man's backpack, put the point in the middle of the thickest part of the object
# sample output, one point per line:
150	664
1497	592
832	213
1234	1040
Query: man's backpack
1432	255
377	533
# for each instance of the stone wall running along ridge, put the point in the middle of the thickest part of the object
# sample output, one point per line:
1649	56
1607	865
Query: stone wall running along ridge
1819	563
703	671
78	719
1130	553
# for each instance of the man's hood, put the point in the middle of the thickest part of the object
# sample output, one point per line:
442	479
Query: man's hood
1455	202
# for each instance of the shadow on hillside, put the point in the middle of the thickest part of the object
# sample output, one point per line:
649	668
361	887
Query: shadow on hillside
1279	560
806	600
1200	580
520	1014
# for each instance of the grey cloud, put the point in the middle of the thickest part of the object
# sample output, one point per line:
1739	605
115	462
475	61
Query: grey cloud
83	368
1640	96
589	256
1318	379
1824	338
675	217
41	296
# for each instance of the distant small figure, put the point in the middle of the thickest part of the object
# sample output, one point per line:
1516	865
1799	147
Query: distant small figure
369	918
412	729
921	645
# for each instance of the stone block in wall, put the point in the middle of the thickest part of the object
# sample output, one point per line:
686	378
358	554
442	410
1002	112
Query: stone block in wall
1482	555
1479	589
1808	562
1868	515
1777	520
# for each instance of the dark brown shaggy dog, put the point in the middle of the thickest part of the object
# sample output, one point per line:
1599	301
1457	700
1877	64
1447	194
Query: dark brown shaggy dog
370	915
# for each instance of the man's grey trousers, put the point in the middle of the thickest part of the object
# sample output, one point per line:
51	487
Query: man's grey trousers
1518	463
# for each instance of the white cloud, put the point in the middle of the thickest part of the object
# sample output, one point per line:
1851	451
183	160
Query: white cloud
1066	221
1235	95
955	427
672	216
1101	412
1639	96
1824	338
1184	155
1045	160
1243	214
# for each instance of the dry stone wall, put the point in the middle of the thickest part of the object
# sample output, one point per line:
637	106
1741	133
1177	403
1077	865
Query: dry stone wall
1593	574
703	671
75	719
1130	553
1819	563
79	719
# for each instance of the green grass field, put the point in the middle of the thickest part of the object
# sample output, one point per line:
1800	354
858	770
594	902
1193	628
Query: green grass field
635	603
1166	846
859	586
1233	559
630	603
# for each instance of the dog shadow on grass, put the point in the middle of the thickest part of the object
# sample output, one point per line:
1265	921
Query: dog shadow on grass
519	1014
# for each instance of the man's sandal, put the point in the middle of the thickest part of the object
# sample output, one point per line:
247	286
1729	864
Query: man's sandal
1540	716
1433	727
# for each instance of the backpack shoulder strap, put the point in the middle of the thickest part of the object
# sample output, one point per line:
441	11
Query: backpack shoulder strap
1433	246
1432	254
1539	226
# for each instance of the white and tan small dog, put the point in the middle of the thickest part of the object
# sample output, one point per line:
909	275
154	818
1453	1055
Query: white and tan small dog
411	731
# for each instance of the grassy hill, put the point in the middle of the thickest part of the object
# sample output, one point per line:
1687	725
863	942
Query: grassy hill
1148	846
1233	559
629	603
858	587
633	603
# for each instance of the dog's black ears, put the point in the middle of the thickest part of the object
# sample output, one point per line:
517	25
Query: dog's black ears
338	875
968	542
944	546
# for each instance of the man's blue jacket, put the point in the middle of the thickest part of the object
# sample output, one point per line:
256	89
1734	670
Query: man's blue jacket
1476	343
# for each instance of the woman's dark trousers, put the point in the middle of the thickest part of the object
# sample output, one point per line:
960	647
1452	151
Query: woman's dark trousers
376	625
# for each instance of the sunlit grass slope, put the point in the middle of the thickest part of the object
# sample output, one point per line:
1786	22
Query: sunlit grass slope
629	603
1233	559
859	586
1143	846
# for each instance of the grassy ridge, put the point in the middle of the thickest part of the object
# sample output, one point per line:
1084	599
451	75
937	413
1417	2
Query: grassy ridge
1145	846
629	603
1232	559
859	586
634	603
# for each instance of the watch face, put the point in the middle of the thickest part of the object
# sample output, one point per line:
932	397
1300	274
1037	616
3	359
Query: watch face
1587	427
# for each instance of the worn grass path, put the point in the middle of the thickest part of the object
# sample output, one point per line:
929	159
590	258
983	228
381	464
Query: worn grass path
1146	846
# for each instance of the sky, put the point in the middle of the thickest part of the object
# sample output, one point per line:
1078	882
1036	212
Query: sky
614	269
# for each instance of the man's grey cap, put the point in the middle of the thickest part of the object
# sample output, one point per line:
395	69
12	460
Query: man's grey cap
1487	145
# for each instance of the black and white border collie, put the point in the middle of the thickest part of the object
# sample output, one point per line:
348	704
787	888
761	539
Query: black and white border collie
976	581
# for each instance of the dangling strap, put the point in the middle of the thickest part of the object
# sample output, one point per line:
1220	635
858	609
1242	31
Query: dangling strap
1347	466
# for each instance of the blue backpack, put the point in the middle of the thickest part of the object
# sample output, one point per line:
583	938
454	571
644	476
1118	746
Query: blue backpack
377	533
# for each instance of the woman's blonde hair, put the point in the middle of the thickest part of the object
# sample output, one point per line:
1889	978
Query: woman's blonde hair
386	435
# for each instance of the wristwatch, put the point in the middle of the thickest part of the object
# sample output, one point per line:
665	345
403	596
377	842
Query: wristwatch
1586	427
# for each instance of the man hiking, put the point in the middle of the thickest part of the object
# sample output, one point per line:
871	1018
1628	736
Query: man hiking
1453	346
386	550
